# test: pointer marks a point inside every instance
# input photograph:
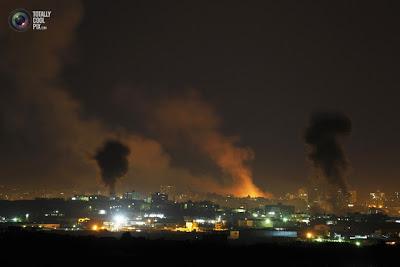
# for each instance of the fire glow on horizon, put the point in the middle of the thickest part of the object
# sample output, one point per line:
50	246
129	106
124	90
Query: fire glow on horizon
190	119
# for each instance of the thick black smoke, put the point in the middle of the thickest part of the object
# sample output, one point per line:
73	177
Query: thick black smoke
112	159
326	152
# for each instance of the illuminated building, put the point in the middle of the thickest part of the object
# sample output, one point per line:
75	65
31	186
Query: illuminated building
352	197
80	198
219	226
376	199
133	195
190	226
168	190
159	198
302	194
315	197
342	199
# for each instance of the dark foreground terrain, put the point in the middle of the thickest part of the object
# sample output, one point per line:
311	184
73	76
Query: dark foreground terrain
25	248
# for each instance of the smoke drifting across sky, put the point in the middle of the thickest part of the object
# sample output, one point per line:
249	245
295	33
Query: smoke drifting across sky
46	140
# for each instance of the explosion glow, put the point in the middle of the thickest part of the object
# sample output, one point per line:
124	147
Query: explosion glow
191	118
247	189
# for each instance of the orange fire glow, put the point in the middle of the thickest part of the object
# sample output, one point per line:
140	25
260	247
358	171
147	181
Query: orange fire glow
190	117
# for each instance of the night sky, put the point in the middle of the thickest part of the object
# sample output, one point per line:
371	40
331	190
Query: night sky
185	83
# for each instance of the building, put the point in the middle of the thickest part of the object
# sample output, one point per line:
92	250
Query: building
352	197
302	194
376	200
159	198
169	190
132	195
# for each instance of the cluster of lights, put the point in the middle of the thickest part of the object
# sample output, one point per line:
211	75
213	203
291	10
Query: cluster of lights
311	236
155	215
203	221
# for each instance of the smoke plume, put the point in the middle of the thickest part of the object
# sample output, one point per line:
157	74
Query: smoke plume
326	152
47	131
112	159
189	118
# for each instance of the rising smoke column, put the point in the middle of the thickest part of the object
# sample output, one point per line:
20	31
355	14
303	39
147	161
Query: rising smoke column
326	153
189	118
113	162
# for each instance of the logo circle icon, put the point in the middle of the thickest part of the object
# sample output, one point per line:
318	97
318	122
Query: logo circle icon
20	20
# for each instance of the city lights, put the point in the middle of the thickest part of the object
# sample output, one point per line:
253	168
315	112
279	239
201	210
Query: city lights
154	215
266	219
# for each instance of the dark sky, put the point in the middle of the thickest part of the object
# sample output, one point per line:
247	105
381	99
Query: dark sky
262	67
